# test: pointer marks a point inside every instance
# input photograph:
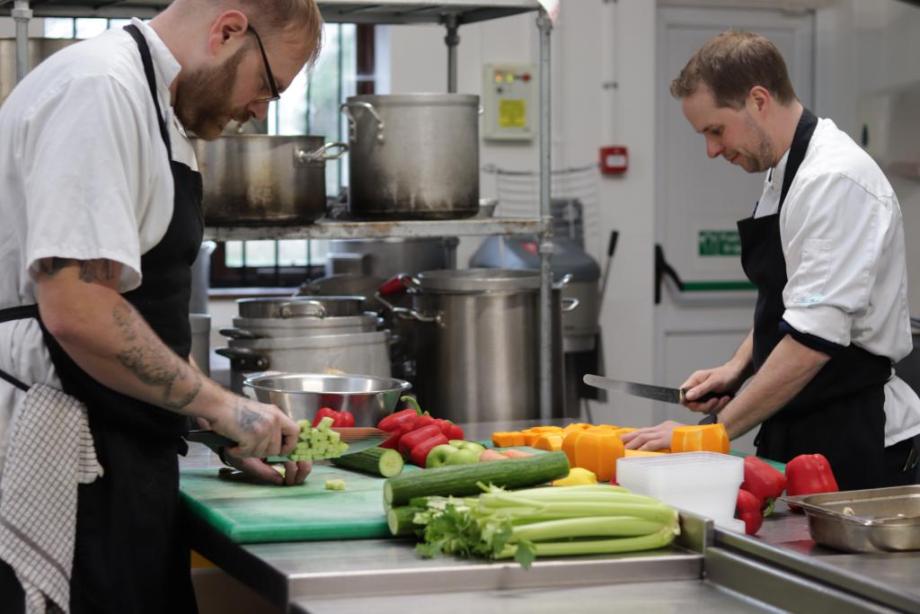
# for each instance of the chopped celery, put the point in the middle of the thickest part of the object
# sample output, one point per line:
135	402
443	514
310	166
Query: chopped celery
318	443
335	484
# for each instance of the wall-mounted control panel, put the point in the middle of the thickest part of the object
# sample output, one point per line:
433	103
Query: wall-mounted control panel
509	99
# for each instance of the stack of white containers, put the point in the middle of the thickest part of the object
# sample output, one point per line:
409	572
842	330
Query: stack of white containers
704	483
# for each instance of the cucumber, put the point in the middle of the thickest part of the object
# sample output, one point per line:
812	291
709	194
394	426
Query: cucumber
399	519
381	462
463	480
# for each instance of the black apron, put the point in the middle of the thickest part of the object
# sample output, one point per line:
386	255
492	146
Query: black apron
840	412
131	554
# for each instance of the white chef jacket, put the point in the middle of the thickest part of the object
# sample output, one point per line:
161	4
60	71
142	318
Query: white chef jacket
843	241
84	174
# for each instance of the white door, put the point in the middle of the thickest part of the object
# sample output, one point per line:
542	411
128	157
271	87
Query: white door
699	201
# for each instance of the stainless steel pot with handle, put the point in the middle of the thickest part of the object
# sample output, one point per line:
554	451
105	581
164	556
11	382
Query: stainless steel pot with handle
362	353
413	156
265	328
258	179
477	342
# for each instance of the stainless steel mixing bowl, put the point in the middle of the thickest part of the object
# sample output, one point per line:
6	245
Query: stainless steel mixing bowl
300	395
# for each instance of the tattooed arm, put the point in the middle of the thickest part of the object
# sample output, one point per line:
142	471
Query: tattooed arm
104	334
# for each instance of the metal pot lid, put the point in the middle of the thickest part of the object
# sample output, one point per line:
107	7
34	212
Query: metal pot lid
422	100
300	306
479	280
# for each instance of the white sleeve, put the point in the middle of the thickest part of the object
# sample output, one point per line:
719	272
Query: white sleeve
81	159
833	235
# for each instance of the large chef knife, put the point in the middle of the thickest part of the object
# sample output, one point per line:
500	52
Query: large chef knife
647	391
358	438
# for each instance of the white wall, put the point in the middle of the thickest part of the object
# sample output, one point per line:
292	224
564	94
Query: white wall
585	116
867	52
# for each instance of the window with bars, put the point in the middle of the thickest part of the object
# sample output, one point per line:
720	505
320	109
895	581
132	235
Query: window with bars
309	106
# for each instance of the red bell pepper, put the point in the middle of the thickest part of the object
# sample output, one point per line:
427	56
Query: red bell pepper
392	442
324	412
455	432
393	421
450	430
344	419
419	453
409	401
409	440
808	474
424	420
747	508
763	481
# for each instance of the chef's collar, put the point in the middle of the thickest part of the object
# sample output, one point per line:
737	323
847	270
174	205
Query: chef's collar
775	175
164	62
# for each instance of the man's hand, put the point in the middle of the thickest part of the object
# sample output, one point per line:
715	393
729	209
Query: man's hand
724	380
651	438
294	472
259	429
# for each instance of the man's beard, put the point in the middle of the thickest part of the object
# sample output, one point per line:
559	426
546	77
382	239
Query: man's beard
202	98
762	159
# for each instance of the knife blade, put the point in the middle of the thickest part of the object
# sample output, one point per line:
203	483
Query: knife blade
647	391
358	438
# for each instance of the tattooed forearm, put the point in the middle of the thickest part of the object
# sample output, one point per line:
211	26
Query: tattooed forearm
52	266
91	271
246	418
96	270
152	363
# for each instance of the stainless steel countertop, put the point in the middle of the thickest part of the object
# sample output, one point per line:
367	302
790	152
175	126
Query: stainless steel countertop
890	579
341	575
387	575
679	597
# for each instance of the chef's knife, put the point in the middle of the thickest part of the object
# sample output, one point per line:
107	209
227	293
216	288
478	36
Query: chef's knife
647	391
358	438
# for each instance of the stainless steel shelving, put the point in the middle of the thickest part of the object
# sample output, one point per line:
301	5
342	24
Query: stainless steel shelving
333	229
449	13
334	11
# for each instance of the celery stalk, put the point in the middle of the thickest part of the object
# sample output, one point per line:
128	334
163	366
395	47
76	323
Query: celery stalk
658	539
538	499
590	526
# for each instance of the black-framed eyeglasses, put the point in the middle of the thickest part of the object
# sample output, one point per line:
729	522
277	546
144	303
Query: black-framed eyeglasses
273	88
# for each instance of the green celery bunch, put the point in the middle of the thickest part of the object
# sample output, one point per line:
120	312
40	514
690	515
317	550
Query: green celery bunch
554	521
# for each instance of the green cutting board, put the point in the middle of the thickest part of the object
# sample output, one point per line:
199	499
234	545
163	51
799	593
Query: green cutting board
250	513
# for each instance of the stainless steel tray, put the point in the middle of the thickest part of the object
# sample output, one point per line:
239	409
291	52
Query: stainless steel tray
872	520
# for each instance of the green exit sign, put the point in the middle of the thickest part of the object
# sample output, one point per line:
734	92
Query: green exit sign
719	243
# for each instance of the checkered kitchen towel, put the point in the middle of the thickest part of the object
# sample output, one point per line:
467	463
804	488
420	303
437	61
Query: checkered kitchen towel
38	500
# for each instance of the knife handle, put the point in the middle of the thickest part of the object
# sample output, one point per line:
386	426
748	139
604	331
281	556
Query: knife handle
706	397
210	439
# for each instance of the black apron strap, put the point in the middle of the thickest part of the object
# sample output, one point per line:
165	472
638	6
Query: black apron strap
803	131
22	312
151	81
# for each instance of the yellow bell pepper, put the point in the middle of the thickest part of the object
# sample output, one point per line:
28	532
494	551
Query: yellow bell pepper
577	477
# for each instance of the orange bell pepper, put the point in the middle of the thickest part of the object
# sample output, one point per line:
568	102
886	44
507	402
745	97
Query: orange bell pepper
503	439
700	438
550	442
568	444
598	452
